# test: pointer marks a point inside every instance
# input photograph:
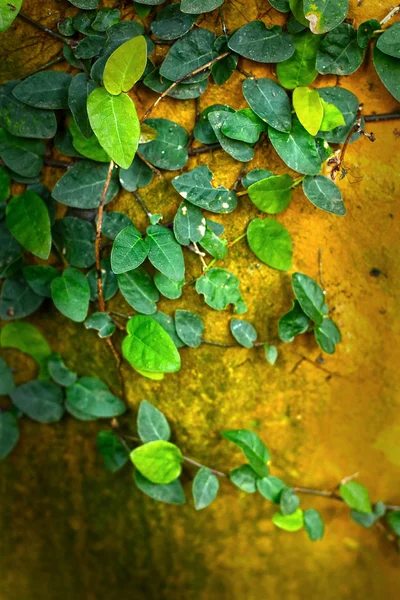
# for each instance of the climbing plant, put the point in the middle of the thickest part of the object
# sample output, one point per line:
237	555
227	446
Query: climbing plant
84	123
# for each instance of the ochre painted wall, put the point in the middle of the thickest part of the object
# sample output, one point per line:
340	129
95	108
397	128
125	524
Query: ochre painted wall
71	531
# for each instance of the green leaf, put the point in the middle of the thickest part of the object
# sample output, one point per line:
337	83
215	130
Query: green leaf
389	41
39	278
171	493
59	372
109	281
324	15
102	322
281	5
42	401
243	332
197	7
47	89
310	296
28	339
293	323
112	451
393	519
105	18
238	150
165	254
149	348
221	288
271	353
272	195
243	125
271	243
313	524
115	122
28	220
339	52
158	461
168	287
9	431
88	147
189	224
168	151
6	379
23	156
168	324
324	194
368	519
17	299
365	32
297	149
129	250
297	8
387	67
113	223
172	22
125	66
255	41
223	69
195	187
211	242
293	522
139	291
5	183
85	4
75	239
356	496
327	335
299	69
78	92
182	91
271	488
203	132
332	117
91	396
82	185
288	501
136	176
22	120
189	327
89	47
205	488
152	424
308	107
190	52
71	294
253	448
8	13
347	103
244	478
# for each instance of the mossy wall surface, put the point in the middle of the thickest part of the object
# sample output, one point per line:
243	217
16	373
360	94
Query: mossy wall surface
70	530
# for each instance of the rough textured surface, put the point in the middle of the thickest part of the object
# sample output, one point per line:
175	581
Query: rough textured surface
71	530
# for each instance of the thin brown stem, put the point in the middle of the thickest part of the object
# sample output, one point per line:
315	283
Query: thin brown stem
152	167
54	34
100	211
52	62
142	204
384	117
197	464
204	149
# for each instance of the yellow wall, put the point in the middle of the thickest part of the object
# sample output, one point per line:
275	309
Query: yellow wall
72	531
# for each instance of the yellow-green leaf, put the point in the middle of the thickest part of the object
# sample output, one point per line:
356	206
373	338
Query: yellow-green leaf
125	66
308	107
159	461
332	117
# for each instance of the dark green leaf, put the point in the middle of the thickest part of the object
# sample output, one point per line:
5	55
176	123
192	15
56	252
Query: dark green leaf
281	5
168	287
9	431
71	294
23	156
327	335
255	175
82	21
293	522
393	519
168	324
139	291
168	151
269	101
102	322
203	132
190	52
189	224
171	493
129	250
28	339
365	32
297	149
196	7
221	288
75	240
165	254
189	327
238	150
313	524
195	187
253	448
47	89
85	4
28	220
356	496
59	372
22	120
389	41
136	176
272	195
288	501
324	194
223	69
243	125
182	91
244	478
91	396
243	332
271	353
113	223
42	401
5	183
17	299
293	323
205	488
297	8
271	243
271	488
171	23
310	296
325	15
158	461
105	18
114	454
387	67
368	519
79	90
6	381
82	185
339	52
255	41
152	424
300	69
89	47
109	281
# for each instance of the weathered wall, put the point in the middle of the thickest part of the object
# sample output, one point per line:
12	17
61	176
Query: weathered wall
72	531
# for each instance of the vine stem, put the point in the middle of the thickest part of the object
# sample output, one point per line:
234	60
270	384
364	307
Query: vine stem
384	117
54	34
197	464
204	149
100	212
178	81
52	62
391	14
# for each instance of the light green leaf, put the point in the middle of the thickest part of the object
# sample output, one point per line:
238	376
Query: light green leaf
272	195
356	496
255	41
158	461
125	66
308	107
129	250
83	184
205	488
327	335
91	396
171	493
255	175
339	52
324	15
324	194
243	332
389	41
71	294
212	243
42	401
88	147
152	424
28	220
313	524
195	187
293	323
332	117
168	324
8	13
299	69
253	448
310	296
115	122
149	348
59	372
243	125
271	243
271	353
293	522
139	291
347	103
114	454
165	254
102	322
271	488
28	339
221	288
9	431
189	327
297	149
244	478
